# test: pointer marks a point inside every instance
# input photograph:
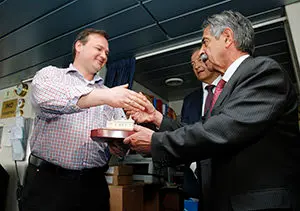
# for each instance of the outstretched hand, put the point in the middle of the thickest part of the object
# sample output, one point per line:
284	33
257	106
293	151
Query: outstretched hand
117	97
149	114
140	141
121	97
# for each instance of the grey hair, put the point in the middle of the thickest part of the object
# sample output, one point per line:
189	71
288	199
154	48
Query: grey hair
240	25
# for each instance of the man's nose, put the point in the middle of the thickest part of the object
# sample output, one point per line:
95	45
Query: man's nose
202	50
103	55
197	65
203	56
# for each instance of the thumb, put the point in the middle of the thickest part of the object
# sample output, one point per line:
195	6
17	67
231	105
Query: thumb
136	128
126	140
124	86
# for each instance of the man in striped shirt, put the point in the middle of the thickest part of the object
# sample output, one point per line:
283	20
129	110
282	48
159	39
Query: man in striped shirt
66	168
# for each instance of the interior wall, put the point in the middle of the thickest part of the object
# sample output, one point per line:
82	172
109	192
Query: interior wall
293	16
293	34
140	88
176	105
6	149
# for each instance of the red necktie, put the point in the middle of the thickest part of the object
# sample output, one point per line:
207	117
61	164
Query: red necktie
218	91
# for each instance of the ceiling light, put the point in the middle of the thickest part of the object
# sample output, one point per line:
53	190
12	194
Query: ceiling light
174	81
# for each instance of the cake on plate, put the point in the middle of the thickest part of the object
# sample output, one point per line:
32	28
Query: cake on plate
120	124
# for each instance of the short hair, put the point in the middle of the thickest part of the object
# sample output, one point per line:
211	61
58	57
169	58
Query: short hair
194	50
83	37
240	25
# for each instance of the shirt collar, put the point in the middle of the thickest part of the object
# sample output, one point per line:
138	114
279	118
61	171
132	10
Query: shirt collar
97	79
215	82
233	67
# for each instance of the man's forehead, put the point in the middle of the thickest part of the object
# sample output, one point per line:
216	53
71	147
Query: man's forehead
195	54
97	37
206	32
99	40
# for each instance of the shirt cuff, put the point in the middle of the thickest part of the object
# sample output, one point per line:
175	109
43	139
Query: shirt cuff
76	93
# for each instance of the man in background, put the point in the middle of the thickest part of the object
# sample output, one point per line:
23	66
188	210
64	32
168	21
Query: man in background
66	167
197	176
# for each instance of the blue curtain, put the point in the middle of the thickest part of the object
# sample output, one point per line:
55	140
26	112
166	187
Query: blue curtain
120	72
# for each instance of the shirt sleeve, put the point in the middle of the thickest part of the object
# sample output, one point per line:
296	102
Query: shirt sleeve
119	113
53	96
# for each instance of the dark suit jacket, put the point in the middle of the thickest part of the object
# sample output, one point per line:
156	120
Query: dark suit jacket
191	112
252	137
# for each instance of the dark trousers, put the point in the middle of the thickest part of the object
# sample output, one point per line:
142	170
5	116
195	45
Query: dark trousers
52	188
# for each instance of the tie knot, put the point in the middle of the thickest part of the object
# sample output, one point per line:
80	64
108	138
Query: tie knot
209	88
221	84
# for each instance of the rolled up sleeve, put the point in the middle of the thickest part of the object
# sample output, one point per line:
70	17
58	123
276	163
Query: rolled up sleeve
53	96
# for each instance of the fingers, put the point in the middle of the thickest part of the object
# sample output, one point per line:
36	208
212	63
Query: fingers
134	101
127	140
130	138
138	100
129	112
128	99
137	103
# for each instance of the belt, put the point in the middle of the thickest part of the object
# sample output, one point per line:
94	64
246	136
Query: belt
45	165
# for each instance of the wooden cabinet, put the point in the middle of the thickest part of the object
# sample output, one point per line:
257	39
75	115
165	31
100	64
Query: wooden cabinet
126	198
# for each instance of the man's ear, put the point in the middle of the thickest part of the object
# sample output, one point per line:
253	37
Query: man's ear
228	36
78	46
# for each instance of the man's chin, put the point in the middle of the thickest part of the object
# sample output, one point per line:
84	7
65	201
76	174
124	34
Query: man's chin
200	78
98	67
200	75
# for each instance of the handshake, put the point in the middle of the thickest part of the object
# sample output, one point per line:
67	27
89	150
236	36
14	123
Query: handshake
142	111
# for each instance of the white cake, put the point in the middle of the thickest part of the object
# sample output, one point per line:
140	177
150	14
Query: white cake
121	124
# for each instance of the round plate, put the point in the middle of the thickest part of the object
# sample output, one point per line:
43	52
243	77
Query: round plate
108	135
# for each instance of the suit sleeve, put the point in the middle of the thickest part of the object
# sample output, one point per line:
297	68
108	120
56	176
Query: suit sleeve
169	124
255	102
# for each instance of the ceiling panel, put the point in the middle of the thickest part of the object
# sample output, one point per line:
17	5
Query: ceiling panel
177	8
191	21
165	60
38	33
24	12
270	34
281	57
47	28
135	40
62	44
272	48
37	55
17	77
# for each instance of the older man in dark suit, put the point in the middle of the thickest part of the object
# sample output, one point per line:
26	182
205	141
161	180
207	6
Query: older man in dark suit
252	133
197	177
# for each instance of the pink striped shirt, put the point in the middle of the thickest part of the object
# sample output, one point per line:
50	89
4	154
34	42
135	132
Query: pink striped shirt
61	132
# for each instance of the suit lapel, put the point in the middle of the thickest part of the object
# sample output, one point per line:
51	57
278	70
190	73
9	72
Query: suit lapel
231	83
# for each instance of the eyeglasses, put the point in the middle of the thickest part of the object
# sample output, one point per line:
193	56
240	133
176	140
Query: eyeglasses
198	60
